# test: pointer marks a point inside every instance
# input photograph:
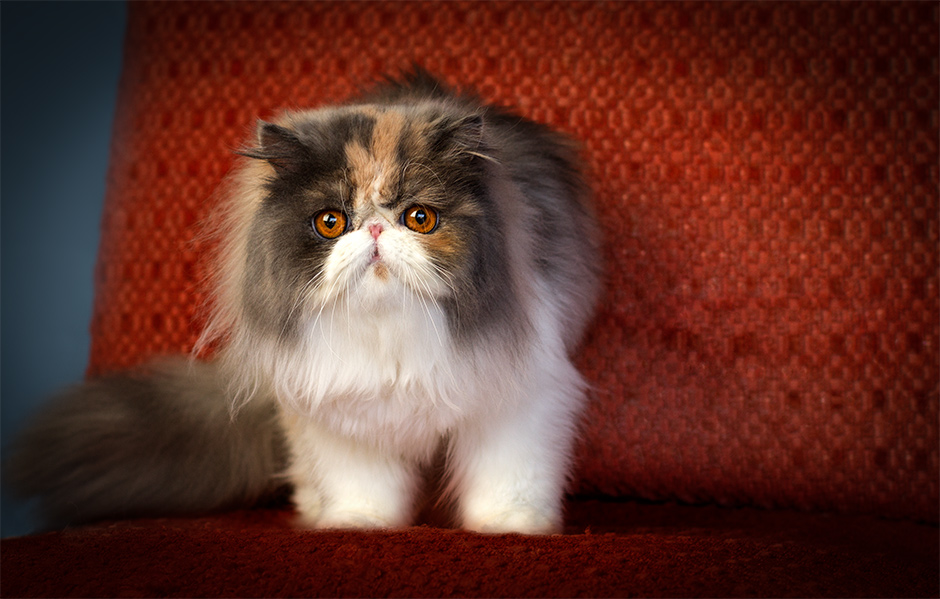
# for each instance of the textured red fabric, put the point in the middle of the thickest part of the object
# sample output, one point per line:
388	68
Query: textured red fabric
637	550
767	176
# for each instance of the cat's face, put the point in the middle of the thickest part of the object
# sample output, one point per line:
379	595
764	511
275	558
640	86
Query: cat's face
371	208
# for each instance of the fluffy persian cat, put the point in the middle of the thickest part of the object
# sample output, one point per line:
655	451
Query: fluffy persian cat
400	279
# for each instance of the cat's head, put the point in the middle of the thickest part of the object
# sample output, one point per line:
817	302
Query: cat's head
371	206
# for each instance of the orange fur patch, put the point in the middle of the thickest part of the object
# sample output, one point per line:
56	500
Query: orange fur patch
375	171
380	271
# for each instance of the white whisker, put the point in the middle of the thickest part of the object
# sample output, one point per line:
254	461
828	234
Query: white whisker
303	296
432	171
329	299
483	156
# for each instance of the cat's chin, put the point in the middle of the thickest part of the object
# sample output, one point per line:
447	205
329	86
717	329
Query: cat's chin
379	290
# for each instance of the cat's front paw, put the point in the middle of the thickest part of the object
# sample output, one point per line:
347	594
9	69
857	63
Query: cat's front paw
311	513
523	520
343	519
349	519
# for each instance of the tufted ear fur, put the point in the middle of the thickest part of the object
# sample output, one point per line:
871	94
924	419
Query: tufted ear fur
280	147
464	133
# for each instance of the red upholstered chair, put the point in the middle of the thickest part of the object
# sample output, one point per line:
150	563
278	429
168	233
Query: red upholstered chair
769	341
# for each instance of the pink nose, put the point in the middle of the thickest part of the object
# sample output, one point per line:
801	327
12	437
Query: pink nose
376	230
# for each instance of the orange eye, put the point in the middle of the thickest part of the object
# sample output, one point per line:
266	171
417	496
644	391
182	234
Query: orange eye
329	224
421	219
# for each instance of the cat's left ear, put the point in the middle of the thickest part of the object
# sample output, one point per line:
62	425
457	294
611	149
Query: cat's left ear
464	132
280	147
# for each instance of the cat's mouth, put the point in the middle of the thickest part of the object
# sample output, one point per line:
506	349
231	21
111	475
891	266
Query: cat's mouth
379	269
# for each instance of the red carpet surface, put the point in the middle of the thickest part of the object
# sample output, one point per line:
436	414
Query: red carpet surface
609	550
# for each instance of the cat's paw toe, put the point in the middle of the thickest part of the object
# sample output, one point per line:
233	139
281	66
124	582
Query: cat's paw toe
348	519
523	520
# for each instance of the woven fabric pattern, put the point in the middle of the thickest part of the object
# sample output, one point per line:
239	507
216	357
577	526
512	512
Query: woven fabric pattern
767	176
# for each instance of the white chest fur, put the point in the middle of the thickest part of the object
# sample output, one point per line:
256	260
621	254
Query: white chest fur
390	377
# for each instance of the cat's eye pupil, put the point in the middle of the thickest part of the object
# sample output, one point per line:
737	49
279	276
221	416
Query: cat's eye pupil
420	219
330	224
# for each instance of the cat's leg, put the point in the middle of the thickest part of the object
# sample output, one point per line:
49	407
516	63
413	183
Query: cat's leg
341	483
510	471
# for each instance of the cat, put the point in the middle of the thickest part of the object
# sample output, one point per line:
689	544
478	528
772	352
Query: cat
400	277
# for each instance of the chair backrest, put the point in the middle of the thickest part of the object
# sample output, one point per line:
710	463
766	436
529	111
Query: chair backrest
767	178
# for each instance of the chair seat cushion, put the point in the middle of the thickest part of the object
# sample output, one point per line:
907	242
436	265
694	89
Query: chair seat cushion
608	549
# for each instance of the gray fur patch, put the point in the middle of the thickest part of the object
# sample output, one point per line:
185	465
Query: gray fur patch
147	444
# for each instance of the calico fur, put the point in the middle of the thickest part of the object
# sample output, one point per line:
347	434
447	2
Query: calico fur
350	362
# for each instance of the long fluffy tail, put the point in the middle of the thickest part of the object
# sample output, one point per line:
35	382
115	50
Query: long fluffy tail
158	442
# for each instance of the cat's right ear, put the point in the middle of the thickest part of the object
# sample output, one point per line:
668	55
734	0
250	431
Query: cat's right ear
280	148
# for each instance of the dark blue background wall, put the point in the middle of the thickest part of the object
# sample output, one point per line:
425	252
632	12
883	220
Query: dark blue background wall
59	68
